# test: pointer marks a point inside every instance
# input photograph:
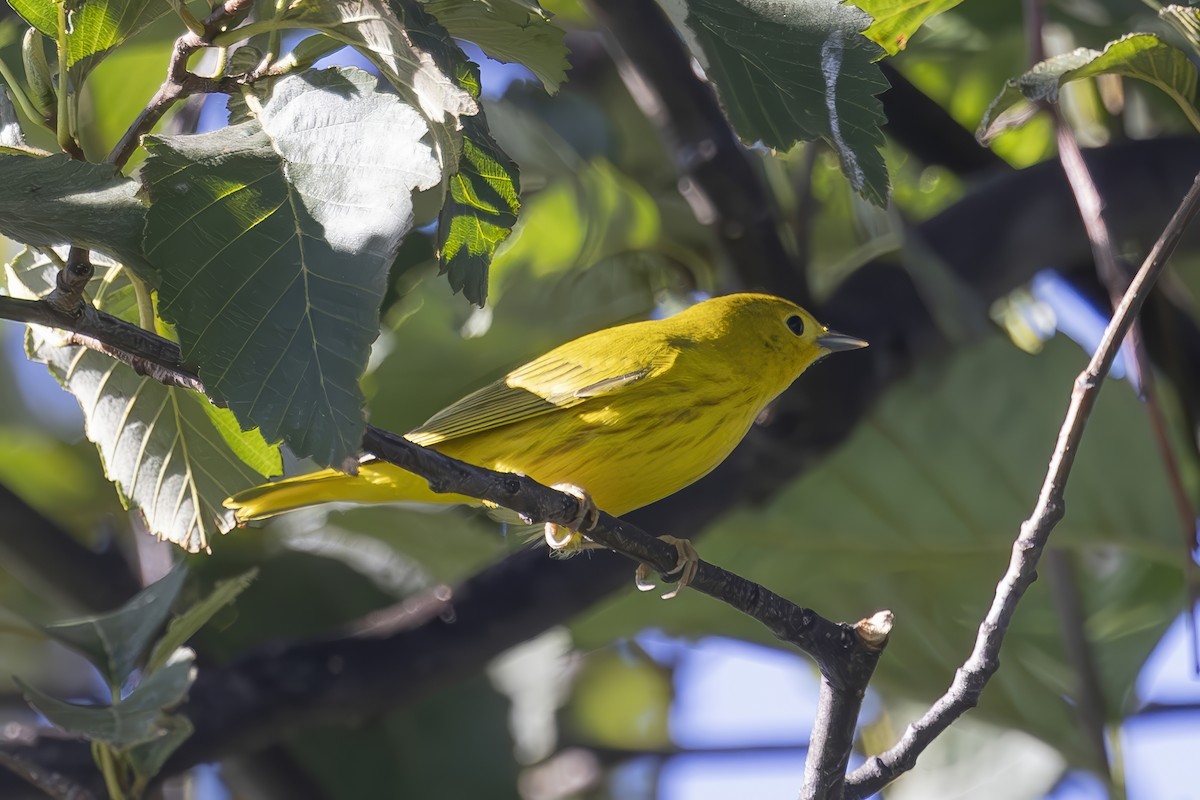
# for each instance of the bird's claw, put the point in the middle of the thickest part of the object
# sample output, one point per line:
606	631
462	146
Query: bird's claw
566	540
687	565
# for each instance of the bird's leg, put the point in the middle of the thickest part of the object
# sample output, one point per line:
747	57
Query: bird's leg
566	540
687	565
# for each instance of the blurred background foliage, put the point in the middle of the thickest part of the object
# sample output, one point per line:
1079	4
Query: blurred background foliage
915	512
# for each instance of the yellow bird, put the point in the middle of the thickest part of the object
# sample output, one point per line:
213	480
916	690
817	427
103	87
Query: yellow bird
631	414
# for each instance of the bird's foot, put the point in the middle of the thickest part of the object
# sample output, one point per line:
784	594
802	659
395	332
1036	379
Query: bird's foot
687	565
567	540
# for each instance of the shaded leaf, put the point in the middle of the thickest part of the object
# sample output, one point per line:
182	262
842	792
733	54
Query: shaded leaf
895	21
168	450
508	30
795	71
185	626
93	26
137	718
115	642
52	200
147	758
296	217
1140	55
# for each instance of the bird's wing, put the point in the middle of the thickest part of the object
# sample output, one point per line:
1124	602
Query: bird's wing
553	382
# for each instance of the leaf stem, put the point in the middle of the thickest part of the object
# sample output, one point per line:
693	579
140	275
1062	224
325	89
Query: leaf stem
244	32
65	140
145	304
19	95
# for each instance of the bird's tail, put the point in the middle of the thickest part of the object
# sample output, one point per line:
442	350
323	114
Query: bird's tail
376	482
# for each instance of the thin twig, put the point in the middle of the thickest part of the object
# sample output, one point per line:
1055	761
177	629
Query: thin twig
179	83
71	280
1115	278
969	680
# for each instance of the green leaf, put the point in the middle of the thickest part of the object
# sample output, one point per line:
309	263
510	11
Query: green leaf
185	626
147	758
94	26
52	200
168	450
508	30
895	21
116	642
1139	55
479	213
274	238
797	70
136	719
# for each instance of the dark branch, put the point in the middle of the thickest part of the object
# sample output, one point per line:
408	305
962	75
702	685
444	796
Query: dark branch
838	707
38	549
716	175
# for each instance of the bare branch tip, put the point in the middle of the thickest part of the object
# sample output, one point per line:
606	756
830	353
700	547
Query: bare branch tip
874	630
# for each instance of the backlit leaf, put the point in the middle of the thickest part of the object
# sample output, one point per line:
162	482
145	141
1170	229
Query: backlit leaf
1140	55
508	31
895	21
169	452
93	26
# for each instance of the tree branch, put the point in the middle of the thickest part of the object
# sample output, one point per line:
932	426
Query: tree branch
179	83
41	550
716	175
970	679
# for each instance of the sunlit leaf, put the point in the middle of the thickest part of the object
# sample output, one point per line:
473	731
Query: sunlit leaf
385	32
795	71
93	26
296	215
508	30
1140	55
169	452
895	21
479	212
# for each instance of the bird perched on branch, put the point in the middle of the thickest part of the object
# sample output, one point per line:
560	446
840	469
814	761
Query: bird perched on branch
620	418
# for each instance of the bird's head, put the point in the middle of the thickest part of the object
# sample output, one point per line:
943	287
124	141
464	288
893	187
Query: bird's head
770	336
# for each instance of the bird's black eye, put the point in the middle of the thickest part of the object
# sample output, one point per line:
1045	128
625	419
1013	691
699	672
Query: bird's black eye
796	324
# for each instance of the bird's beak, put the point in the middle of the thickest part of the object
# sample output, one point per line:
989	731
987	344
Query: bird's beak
834	342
